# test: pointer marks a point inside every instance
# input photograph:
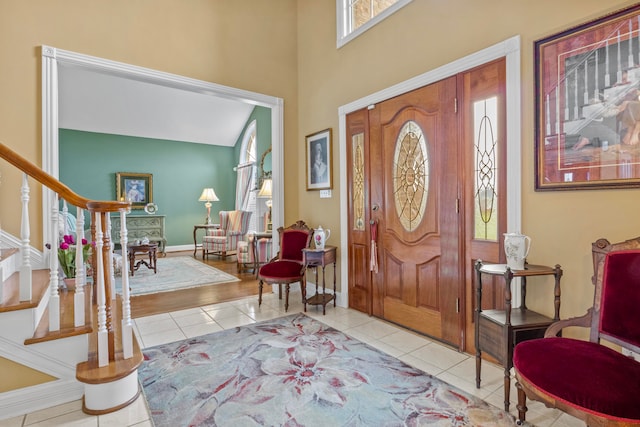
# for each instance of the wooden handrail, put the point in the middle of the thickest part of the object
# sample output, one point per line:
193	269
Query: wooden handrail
63	191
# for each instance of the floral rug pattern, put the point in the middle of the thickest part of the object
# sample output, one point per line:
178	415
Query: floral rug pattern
173	273
296	371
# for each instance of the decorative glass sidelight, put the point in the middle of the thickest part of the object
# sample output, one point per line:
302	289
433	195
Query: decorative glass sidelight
357	147
410	175
485	125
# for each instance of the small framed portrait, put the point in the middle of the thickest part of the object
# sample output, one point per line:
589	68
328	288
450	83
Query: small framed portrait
136	188
318	150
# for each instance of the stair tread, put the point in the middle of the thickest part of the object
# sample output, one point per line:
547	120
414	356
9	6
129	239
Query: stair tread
67	320
89	372
7	252
12	291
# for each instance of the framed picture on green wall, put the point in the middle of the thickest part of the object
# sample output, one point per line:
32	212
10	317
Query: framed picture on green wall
134	187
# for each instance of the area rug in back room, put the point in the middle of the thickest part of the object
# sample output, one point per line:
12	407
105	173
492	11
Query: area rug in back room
174	273
297	371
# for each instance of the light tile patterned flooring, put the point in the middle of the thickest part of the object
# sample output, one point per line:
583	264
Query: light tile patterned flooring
430	356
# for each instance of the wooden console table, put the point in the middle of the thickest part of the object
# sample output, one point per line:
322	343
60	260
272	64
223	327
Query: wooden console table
498	331
316	258
138	227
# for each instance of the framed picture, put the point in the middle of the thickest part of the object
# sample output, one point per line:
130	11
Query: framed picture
318	149
587	124
135	187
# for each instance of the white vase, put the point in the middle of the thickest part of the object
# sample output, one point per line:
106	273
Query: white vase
320	237
516	248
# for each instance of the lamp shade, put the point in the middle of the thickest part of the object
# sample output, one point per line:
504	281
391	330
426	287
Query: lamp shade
208	195
266	189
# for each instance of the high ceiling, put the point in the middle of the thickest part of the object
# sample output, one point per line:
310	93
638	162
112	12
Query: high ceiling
103	103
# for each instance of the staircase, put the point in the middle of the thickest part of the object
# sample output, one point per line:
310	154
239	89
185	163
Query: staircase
82	337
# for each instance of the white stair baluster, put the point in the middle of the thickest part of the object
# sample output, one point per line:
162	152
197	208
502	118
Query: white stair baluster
103	334
25	235
54	299
81	273
127	327
109	266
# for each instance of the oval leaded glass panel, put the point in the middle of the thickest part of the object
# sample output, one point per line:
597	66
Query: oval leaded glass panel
410	175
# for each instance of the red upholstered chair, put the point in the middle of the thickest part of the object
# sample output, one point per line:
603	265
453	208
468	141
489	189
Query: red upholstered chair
586	379
286	268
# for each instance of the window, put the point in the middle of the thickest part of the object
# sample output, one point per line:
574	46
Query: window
485	125
246	178
354	17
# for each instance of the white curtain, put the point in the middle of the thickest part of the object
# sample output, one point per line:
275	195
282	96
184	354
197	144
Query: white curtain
244	185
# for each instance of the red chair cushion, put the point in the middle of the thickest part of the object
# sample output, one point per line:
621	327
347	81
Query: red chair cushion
281	270
583	374
619	315
292	243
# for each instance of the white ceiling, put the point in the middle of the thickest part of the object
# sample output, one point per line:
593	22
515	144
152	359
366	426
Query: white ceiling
103	103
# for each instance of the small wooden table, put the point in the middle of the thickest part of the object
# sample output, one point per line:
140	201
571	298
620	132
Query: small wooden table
498	331
151	249
197	227
316	258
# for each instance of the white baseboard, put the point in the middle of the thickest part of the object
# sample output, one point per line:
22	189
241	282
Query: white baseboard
30	399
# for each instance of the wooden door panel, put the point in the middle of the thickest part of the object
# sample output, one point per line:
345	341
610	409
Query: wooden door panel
411	136
359	238
359	284
428	275
484	82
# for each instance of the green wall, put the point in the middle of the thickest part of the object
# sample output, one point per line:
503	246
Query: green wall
89	162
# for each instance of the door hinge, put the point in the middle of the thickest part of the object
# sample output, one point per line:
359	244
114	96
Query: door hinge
455	105
457	205
457	305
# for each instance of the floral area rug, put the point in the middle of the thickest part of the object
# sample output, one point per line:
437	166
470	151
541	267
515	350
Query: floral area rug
296	371
173	273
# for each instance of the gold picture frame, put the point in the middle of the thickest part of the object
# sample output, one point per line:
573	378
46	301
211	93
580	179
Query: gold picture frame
134	187
587	83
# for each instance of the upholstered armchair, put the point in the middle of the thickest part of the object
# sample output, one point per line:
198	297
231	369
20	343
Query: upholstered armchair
286	267
594	382
233	228
253	252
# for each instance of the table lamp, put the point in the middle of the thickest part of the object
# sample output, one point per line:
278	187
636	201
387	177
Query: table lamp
266	191
208	196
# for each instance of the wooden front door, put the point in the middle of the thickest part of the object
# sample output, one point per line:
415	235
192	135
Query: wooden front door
431	181
414	192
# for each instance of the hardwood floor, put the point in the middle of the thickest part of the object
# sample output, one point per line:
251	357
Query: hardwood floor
145	305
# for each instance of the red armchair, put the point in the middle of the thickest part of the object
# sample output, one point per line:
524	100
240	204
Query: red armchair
286	268
586	379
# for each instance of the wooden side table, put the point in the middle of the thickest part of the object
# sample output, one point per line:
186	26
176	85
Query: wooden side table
316	258
196	228
498	331
151	249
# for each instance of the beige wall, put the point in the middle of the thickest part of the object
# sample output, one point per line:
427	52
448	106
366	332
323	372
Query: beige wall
427	34
223	40
249	44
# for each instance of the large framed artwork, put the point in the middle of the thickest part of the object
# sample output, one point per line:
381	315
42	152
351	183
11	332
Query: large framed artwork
134	187
587	125
318	150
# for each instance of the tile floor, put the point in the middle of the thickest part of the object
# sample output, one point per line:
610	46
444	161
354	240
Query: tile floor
432	357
